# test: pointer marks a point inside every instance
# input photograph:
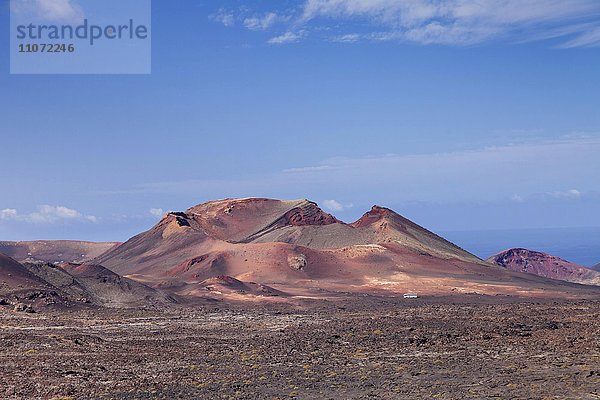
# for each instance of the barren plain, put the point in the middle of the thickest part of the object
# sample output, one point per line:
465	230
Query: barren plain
355	347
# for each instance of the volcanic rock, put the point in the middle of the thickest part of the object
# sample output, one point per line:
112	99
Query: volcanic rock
21	307
297	262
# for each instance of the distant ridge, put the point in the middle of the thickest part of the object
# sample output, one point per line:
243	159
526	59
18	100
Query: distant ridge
546	265
42	284
54	250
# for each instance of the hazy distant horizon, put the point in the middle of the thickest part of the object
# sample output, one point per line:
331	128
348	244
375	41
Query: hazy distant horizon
578	245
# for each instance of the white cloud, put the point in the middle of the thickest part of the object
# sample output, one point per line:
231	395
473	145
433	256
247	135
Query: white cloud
8	213
224	16
49	10
60	10
47	214
157	212
557	195
568	194
586	39
334	205
456	22
449	22
261	23
288	37
347	38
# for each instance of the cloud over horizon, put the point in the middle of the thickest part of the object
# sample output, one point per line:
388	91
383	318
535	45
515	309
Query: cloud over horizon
47	214
528	176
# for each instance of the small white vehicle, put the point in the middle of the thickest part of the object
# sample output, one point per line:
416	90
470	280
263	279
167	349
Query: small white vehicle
410	296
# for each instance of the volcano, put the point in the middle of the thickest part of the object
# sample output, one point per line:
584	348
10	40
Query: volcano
546	265
293	246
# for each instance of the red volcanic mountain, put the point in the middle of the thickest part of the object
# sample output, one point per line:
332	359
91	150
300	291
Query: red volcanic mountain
541	264
294	246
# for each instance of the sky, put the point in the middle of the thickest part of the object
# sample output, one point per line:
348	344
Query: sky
462	115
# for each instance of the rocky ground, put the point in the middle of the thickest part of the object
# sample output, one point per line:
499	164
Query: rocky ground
367	349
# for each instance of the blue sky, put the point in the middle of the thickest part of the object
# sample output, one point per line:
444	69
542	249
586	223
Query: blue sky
461	116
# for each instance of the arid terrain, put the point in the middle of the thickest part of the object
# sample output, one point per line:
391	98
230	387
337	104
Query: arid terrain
269	299
359	348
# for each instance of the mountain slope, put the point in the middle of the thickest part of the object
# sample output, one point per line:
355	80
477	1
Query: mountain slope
42	284
596	267
173	240
96	285
14	277
545	265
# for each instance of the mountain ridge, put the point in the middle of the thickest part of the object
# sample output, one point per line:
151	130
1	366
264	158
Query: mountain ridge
291	245
55	250
545	265
42	284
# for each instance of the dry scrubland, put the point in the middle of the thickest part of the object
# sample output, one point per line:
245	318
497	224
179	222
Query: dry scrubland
366	348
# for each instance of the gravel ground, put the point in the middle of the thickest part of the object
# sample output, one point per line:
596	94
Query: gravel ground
385	349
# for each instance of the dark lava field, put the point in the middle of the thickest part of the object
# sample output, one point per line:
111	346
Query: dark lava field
349	349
